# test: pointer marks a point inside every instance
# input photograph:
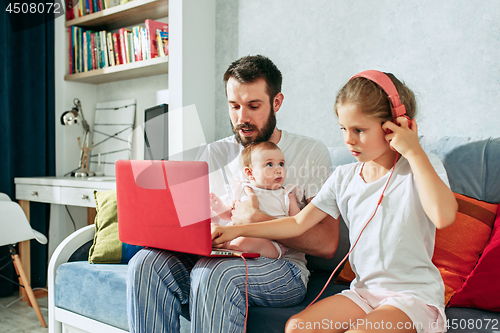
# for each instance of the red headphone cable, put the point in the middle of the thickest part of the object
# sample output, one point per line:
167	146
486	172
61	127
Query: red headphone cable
246	293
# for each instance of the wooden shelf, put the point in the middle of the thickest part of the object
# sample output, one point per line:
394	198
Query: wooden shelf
122	72
133	12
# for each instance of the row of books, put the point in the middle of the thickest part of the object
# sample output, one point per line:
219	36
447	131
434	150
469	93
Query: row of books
89	50
79	8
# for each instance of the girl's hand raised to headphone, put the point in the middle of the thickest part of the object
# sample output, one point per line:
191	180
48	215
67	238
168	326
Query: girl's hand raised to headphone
403	137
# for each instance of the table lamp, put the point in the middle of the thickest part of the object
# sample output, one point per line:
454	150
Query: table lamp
75	116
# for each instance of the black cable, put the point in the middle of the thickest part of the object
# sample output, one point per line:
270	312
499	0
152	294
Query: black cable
68	173
71	217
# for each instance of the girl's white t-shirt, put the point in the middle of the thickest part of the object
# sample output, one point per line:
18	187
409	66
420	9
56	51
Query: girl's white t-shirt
395	250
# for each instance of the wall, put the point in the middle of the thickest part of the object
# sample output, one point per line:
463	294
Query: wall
446	51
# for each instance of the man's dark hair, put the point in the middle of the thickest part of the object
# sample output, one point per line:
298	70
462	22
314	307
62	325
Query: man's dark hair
251	68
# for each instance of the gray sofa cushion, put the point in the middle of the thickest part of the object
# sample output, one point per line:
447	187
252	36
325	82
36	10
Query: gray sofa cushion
472	164
94	291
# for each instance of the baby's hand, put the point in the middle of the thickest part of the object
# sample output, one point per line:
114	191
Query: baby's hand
216	203
220	208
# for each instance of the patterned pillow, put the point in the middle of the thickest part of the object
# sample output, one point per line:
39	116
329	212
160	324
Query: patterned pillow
458	247
107	248
479	290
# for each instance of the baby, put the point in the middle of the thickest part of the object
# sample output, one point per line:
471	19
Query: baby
264	167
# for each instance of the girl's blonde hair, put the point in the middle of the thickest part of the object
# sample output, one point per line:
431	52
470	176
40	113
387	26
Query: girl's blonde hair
373	100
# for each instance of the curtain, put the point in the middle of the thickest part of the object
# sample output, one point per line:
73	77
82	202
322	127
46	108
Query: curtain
27	120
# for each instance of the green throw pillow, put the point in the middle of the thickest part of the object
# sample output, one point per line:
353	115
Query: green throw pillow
107	248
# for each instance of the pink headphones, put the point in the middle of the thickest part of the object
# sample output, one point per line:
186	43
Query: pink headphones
385	83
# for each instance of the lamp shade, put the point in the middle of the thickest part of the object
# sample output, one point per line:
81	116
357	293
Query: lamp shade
70	117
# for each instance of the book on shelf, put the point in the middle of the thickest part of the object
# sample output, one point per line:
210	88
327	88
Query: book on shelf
79	49
89	50
162	40
85	53
137	35
104	50
144	44
98	51
70	14
111	52
130	47
70	52
122	33
80	8
153	29
117	49
110	3
93	50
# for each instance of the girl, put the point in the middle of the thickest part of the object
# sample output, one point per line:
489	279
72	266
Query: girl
401	192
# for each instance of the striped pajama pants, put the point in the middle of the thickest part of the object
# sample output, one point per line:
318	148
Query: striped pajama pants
159	282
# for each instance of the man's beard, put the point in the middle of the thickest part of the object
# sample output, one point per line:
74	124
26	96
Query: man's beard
263	134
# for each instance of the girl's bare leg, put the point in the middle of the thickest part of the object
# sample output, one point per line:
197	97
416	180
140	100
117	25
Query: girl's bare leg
339	314
386	318
333	314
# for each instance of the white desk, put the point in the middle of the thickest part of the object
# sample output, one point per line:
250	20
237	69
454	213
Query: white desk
62	190
58	190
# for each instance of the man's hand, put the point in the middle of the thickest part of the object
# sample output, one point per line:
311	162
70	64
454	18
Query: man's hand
244	212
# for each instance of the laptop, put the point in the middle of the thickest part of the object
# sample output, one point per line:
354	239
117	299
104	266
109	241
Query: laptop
166	205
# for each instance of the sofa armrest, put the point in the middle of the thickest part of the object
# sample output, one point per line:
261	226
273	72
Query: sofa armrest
61	255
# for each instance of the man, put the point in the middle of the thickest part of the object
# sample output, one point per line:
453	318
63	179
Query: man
159	282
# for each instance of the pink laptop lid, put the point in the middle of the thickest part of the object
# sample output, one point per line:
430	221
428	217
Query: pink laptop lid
164	204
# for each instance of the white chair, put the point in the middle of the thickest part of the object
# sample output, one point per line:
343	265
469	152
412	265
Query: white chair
4	197
15	228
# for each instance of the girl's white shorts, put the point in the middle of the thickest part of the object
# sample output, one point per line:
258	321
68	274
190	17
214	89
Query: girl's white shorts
426	318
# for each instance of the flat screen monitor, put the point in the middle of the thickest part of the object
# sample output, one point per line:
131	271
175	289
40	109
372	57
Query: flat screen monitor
156	133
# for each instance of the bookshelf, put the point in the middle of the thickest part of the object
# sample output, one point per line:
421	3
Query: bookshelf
130	13
122	72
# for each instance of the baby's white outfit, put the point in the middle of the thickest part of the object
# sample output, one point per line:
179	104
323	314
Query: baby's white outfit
275	203
393	257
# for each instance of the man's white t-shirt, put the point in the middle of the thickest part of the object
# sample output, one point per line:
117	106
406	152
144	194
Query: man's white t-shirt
307	163
395	250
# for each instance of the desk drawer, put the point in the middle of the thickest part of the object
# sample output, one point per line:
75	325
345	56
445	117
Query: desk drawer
38	193
77	196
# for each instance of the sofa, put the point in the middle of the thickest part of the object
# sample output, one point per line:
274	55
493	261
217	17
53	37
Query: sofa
86	297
